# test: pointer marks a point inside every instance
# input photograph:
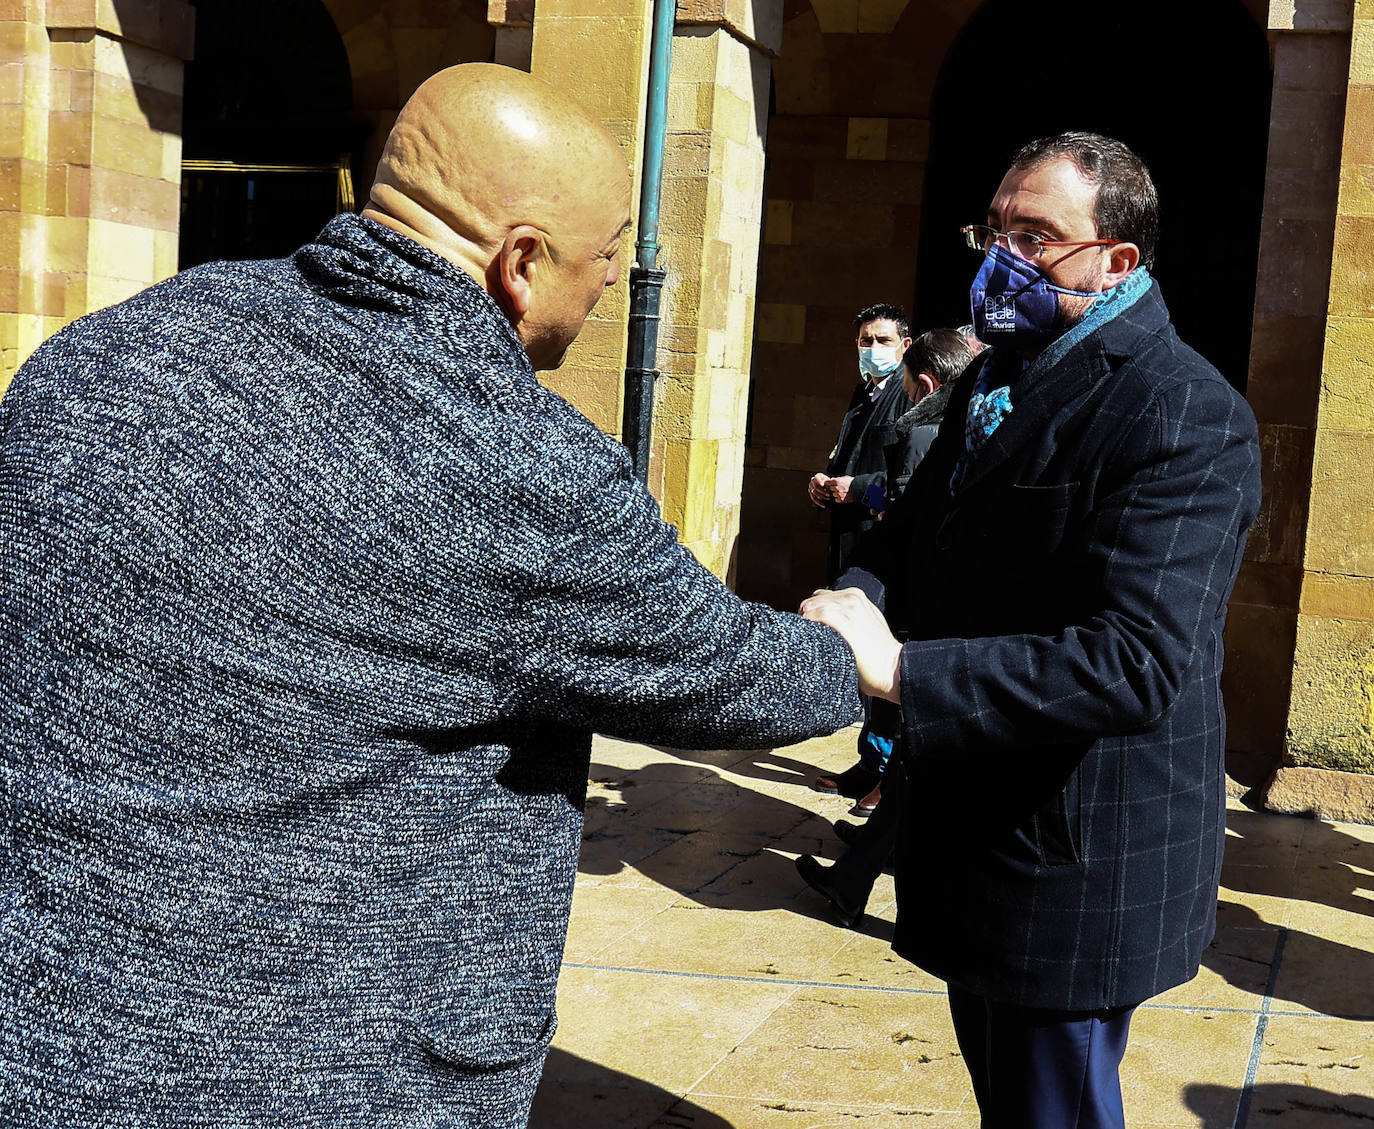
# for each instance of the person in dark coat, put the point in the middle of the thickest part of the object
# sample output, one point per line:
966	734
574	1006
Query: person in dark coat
855	471
1084	507
858	461
312	598
930	368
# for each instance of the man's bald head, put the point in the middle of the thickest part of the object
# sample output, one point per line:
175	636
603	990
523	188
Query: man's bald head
515	183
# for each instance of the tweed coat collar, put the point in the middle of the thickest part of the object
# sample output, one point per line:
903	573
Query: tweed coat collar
361	263
1081	368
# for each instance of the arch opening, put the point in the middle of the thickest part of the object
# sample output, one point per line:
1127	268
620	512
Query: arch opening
267	128
1186	84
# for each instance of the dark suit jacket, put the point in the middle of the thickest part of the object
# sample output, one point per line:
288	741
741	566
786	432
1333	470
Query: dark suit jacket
865	432
915	431
1061	705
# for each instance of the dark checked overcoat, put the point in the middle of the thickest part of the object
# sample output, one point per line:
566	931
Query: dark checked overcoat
312	596
1062	713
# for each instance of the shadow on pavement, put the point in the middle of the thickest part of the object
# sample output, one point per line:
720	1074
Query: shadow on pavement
1316	876
691	829
576	1093
1277	1104
1314	972
1336	866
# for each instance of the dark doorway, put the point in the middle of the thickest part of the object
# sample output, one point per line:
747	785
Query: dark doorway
1185	83
266	128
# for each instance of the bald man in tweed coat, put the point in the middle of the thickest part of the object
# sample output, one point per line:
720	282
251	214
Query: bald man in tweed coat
312	597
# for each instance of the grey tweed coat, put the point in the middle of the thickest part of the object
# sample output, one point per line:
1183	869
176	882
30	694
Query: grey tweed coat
312	597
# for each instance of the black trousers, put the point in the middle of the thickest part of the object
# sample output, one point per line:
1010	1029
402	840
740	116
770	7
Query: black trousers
858	868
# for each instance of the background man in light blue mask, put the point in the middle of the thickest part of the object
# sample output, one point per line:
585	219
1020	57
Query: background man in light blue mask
881	337
858	465
1083	511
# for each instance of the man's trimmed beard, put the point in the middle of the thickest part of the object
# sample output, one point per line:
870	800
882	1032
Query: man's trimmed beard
1066	319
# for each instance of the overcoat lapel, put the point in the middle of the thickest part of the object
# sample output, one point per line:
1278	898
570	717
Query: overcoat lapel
850	413
882	406
1040	403
858	402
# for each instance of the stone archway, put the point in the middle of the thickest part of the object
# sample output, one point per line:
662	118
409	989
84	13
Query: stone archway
392	47
848	144
857	157
1208	162
302	83
268	96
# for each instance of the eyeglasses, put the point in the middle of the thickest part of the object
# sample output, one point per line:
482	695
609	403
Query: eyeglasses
1023	244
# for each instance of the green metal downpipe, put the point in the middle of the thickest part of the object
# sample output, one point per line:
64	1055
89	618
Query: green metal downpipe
646	279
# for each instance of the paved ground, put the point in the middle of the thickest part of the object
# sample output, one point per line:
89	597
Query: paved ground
705	986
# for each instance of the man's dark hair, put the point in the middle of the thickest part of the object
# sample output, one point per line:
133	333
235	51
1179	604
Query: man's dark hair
885	310
1127	205
944	353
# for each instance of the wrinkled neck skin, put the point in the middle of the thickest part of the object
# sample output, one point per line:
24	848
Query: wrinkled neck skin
392	208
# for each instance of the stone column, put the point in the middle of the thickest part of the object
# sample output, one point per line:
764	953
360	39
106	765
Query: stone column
712	217
1300	656
1331	711
597	51
1311	65
90	158
514	24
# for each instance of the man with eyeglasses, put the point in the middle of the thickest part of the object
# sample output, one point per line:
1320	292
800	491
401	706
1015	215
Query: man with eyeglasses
1084	510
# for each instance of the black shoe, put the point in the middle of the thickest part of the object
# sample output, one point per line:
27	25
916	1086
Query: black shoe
854	783
846	832
818	878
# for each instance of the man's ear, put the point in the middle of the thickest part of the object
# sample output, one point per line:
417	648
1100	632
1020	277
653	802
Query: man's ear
520	258
926	383
1121	260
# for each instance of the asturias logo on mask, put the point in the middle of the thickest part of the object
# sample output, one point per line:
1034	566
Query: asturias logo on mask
1000	312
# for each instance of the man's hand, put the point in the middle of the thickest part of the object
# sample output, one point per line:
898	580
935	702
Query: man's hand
877	653
819	490
839	488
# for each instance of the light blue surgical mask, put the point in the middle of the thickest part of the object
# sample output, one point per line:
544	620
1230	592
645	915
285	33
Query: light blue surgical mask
878	361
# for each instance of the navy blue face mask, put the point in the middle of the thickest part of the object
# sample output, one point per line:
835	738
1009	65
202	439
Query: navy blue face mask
1015	305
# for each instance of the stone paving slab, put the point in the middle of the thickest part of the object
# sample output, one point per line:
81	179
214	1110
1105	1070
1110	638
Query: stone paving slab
704	985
